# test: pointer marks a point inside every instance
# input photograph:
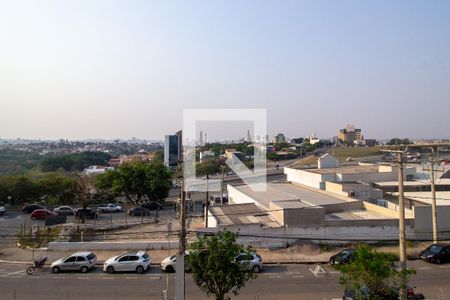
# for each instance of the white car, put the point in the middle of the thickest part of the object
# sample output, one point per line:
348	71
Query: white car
131	261
79	261
250	261
109	208
64	210
169	264
2	210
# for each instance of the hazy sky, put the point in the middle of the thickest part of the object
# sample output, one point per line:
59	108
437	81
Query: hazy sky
117	69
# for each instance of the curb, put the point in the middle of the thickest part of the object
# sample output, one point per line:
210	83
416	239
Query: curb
15	262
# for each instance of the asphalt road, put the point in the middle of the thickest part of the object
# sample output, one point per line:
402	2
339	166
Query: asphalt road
275	282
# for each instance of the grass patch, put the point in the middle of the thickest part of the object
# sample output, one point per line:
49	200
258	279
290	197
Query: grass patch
41	237
354	152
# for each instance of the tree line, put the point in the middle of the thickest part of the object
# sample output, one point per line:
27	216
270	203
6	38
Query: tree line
136	180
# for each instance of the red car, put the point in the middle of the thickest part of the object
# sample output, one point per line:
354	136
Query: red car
41	214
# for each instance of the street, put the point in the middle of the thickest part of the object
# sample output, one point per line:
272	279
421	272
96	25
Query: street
275	282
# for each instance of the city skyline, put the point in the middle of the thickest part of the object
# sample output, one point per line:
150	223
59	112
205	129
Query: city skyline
108	70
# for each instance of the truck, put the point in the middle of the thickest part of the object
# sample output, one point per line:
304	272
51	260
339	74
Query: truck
110	207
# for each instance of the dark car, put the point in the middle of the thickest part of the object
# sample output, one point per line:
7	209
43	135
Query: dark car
138	211
87	212
342	257
152	205
41	214
29	208
436	253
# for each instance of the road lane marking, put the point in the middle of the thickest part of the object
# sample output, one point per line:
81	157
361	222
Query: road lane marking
424	268
275	277
131	277
82	277
16	274
298	276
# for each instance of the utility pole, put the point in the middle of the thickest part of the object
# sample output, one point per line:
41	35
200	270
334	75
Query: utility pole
179	277
221	185
401	224
206	202
433	198
401	203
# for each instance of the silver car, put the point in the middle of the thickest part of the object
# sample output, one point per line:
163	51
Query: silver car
79	261
64	210
132	261
169	264
250	261
2	210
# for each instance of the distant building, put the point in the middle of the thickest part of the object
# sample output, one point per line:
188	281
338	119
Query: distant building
229	153
297	140
327	161
350	135
207	156
117	161
279	138
370	142
172	149
249	137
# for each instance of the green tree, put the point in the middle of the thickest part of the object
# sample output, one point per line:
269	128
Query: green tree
84	194
75	161
214	269
375	271
397	141
57	188
138	180
272	156
25	190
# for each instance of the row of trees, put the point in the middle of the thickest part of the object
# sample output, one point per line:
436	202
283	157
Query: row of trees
48	188
74	161
398	141
137	181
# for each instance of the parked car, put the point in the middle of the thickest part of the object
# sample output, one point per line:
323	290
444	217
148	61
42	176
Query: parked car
41	214
2	210
79	261
342	257
231	173
64	210
193	189
138	211
152	205
250	261
169	264
29	208
109	208
132	261
436	253
88	213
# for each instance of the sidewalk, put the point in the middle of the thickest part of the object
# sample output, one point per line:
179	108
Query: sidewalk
308	253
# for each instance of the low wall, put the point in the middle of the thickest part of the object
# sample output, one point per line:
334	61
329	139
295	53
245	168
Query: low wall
386	211
345	206
144	245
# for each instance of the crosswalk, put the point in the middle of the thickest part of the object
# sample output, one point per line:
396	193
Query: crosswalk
9	218
5	273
